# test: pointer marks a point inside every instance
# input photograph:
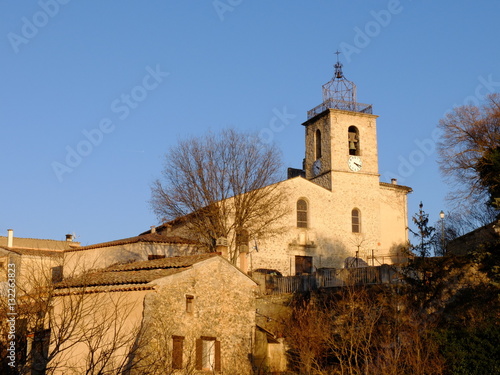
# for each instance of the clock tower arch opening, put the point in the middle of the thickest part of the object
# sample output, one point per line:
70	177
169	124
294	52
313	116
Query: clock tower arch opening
353	140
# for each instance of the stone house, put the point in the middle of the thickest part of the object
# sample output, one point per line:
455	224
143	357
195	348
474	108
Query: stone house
28	267
35	261
338	209
193	313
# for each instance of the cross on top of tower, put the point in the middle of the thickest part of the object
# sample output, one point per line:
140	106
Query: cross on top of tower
338	67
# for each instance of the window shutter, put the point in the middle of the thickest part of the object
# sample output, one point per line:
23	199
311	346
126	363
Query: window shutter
356	221
217	356
301	213
177	352
199	354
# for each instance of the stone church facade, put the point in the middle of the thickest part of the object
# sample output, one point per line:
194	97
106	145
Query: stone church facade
339	213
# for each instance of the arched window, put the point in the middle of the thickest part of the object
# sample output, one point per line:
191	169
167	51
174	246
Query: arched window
353	139
301	213
356	221
318	144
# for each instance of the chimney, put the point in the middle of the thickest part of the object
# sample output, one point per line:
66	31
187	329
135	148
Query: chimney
221	247
10	237
244	262
69	238
153	229
394	181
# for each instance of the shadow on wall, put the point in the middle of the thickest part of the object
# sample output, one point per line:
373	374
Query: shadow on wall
331	254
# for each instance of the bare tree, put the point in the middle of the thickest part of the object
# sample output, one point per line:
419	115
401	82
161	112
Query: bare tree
307	333
92	332
460	223
223	185
468	149
55	323
357	330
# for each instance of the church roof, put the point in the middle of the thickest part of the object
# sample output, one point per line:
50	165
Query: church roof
146	238
396	186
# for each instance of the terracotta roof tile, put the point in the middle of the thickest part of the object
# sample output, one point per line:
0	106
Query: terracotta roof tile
104	288
102	278
169	262
134	273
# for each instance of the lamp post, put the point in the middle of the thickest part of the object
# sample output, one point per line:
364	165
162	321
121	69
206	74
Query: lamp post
441	215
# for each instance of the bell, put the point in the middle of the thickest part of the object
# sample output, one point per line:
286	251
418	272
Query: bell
352	145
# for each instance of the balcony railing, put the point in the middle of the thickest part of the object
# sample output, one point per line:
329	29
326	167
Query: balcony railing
328	278
340	104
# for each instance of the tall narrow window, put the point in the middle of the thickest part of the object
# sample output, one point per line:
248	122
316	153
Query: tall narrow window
318	144
177	348
353	139
356	221
189	304
301	213
208	354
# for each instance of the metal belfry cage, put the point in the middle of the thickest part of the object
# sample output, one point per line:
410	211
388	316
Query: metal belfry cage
339	93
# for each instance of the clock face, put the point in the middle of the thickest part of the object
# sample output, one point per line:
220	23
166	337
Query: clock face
316	167
355	163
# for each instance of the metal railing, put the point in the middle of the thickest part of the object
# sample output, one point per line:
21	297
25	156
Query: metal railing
340	104
328	278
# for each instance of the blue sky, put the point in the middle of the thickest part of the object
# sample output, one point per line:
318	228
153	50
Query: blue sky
93	93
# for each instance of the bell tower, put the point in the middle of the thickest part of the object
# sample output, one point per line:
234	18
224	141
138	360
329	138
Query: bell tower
341	139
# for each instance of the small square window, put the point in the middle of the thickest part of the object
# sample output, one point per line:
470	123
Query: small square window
155	256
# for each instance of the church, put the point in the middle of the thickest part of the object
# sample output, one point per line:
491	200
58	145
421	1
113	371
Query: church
339	212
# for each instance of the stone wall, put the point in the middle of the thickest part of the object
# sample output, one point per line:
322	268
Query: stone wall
223	308
329	238
102	328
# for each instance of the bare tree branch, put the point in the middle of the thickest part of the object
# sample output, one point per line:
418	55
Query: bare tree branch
470	133
222	184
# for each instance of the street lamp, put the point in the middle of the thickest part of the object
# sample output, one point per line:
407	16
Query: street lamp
441	215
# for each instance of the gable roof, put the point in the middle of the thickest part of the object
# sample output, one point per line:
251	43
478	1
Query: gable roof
33	252
181	219
149	238
388	185
38	244
131	276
